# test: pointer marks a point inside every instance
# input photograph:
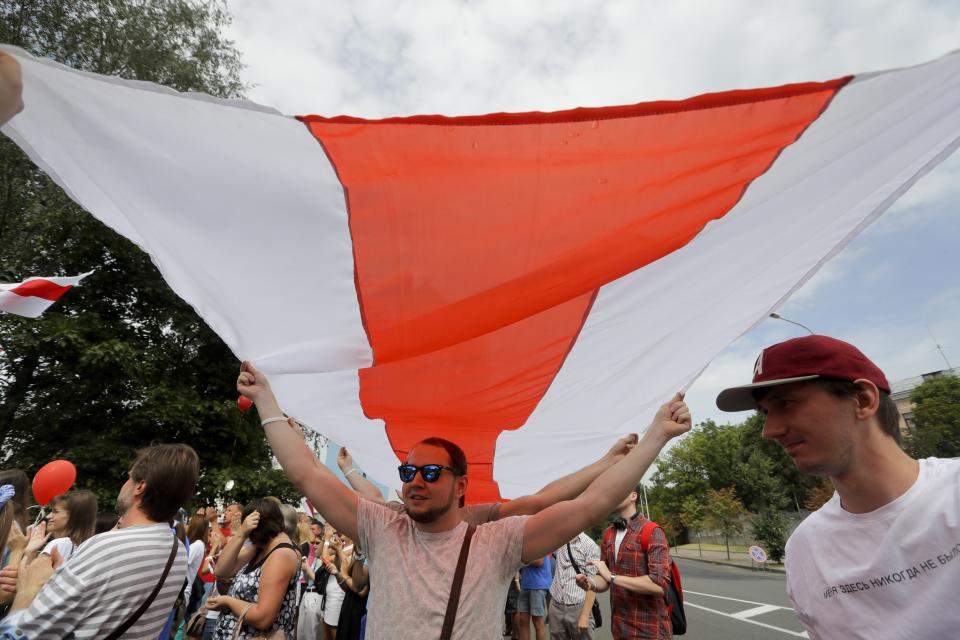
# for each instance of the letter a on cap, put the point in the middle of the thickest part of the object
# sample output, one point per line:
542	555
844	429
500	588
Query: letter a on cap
758	366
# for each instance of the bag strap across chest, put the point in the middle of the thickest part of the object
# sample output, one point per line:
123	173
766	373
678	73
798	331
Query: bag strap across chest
451	615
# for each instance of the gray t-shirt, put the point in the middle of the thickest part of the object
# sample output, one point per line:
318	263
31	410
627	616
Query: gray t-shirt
412	571
107	578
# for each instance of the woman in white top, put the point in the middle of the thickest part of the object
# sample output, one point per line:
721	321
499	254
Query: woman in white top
72	520
198	533
333	592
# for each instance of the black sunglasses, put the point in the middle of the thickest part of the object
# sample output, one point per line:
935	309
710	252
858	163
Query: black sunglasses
429	472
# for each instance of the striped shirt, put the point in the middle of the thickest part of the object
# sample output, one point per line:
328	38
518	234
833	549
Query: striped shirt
107	579
564	588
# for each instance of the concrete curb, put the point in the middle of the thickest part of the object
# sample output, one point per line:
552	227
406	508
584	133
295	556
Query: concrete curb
731	564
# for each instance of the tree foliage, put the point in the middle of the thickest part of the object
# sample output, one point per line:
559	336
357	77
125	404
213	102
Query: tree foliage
724	512
693	516
936	419
771	529
716	457
120	362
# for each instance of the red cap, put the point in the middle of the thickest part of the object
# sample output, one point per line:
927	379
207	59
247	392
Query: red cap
800	359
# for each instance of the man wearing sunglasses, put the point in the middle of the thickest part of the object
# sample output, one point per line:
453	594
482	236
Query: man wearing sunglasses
413	555
565	488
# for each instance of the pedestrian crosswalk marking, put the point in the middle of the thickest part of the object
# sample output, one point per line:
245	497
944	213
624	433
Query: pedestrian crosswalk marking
756	611
746	615
796	634
710	595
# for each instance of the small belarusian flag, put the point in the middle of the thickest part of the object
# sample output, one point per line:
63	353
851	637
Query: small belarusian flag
31	297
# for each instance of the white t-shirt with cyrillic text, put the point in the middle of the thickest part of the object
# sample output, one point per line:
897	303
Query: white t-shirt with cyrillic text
411	572
890	573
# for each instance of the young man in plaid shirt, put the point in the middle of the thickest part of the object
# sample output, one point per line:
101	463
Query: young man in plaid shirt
638	579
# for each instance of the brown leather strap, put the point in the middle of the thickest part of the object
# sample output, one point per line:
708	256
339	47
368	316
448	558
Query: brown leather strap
454	601
153	596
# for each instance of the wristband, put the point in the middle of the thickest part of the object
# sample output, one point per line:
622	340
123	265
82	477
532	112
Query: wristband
352	470
267	421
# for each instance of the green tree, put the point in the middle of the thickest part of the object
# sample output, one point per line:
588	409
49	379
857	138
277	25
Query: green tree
771	529
725	512
714	456
249	483
121	362
936	419
693	516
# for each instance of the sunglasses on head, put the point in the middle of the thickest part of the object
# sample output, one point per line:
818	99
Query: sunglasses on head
429	472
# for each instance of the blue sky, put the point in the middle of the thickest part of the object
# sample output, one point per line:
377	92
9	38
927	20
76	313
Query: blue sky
381	58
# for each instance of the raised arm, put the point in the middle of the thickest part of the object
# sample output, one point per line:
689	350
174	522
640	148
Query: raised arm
11	87
234	555
569	486
336	502
356	479
554	526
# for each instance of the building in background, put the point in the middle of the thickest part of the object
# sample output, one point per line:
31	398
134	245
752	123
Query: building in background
901	390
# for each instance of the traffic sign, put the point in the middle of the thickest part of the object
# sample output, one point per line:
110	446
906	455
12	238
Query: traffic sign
758	554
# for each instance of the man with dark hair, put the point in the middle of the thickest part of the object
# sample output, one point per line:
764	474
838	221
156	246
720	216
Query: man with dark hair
111	575
636	577
881	559
565	488
426	541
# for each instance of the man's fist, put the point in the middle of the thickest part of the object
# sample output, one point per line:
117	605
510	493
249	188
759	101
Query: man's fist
251	383
673	418
344	460
622	447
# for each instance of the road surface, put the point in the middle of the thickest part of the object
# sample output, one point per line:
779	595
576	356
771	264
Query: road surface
729	603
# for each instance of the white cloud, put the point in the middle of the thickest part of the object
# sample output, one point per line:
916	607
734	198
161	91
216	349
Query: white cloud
378	58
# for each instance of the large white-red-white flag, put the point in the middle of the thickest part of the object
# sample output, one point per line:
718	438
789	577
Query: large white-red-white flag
529	285
33	296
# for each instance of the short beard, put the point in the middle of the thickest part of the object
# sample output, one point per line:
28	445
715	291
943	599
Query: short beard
433	515
430	516
832	468
123	505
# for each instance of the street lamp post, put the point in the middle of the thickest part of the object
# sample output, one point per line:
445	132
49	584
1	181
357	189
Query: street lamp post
777	316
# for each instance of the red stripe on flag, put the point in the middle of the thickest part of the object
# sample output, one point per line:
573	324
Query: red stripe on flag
41	289
479	247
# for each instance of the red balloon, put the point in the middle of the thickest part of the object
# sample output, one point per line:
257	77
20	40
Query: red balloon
53	479
244	403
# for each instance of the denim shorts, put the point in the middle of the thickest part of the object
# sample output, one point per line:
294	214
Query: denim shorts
533	601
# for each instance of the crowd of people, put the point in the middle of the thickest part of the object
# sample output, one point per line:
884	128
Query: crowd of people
430	566
264	569
250	568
